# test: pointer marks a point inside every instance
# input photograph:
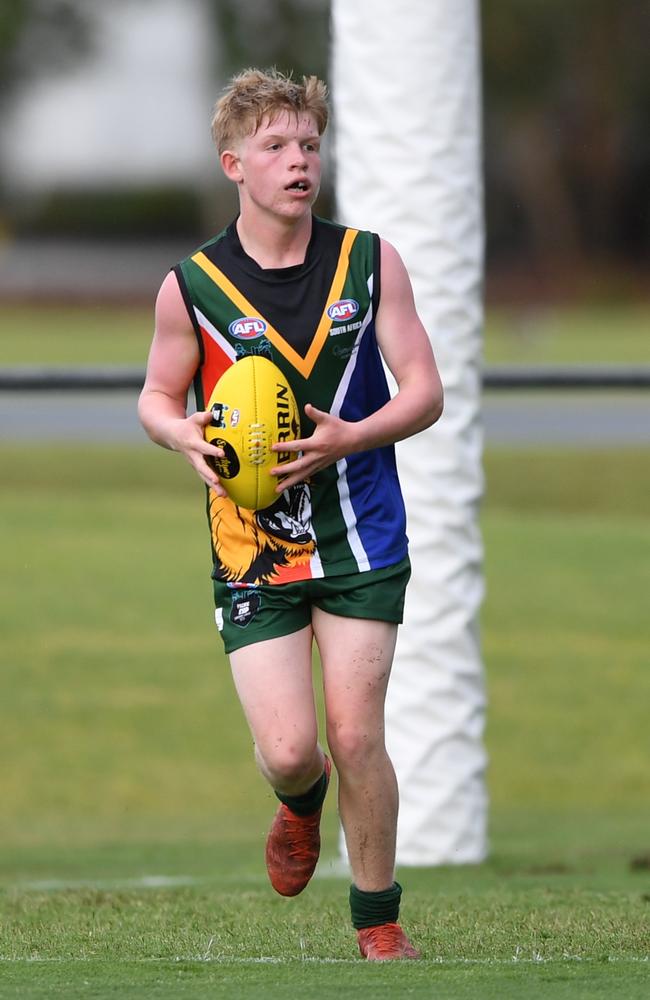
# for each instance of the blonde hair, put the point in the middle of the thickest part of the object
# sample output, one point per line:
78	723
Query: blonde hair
254	94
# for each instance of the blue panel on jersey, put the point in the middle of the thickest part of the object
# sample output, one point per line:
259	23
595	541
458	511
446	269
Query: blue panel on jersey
375	492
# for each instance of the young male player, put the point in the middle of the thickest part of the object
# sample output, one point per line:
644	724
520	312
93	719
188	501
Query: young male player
328	562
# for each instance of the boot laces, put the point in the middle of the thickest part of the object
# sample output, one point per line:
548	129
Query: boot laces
301	833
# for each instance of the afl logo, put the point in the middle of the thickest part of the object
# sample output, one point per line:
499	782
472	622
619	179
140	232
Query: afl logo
343	309
247	328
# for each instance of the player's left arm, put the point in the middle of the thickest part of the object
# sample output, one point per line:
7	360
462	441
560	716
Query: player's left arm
407	350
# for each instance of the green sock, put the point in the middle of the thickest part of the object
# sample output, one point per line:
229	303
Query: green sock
369	909
309	802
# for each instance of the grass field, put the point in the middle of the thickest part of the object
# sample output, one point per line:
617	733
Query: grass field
133	821
56	335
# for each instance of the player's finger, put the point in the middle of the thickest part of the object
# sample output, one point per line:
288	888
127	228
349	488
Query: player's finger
287	482
208	476
315	414
205	448
201	417
297	445
287	468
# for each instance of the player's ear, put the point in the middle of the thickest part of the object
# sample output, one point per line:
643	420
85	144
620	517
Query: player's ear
231	166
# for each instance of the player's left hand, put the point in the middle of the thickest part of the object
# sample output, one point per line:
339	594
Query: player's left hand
332	439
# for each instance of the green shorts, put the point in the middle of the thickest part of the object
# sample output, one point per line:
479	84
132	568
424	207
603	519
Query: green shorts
245	615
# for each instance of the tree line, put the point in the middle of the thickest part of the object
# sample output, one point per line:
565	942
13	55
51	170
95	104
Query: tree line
566	90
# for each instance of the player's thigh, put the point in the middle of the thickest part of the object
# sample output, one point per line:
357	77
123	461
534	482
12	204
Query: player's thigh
356	657
273	679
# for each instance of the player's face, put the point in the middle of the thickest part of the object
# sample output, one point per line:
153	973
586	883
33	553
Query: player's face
279	165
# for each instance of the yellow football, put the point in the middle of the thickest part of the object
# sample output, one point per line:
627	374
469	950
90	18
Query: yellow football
252	407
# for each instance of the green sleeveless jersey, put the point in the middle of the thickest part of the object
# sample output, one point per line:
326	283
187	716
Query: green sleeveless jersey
316	322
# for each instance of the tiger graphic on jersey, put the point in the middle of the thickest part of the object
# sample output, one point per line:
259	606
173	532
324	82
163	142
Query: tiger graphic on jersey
260	546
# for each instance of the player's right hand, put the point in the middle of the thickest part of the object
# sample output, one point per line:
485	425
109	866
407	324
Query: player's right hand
188	439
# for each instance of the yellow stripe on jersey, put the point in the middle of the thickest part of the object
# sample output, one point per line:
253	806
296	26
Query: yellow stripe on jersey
303	365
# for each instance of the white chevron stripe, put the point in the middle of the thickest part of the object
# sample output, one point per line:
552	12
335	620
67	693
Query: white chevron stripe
353	537
218	337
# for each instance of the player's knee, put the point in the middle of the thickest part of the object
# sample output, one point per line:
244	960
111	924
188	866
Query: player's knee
288	763
352	745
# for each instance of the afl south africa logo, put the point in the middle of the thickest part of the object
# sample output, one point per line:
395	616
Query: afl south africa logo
247	328
343	309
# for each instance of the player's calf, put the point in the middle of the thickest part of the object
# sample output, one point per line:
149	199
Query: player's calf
293	843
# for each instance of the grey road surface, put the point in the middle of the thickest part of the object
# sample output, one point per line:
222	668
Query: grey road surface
583	419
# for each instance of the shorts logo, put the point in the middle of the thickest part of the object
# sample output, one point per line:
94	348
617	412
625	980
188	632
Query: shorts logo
245	605
343	310
247	328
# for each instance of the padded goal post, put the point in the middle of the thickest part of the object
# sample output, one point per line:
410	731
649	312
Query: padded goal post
407	153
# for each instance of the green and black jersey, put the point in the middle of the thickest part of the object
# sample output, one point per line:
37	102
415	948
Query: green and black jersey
316	322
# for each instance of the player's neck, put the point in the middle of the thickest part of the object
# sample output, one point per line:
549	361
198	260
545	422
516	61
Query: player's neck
273	242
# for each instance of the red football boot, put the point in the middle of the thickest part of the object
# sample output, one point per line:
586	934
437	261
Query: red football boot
384	943
293	847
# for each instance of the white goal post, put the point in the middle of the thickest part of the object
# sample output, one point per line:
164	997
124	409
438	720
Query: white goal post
407	153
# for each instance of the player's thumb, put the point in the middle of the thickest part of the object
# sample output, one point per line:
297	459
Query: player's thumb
202	417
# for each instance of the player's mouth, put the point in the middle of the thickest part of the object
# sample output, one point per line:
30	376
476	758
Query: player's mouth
301	186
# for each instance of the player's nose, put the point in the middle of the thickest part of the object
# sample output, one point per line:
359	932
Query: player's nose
297	155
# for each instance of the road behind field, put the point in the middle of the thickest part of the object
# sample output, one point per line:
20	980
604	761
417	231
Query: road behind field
587	419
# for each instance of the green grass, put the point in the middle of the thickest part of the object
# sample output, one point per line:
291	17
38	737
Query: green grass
126	755
577	335
74	335
184	979
81	335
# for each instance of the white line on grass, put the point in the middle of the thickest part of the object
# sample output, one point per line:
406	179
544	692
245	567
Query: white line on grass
274	960
328	869
141	882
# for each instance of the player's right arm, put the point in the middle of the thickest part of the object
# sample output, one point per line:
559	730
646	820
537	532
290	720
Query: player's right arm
173	360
